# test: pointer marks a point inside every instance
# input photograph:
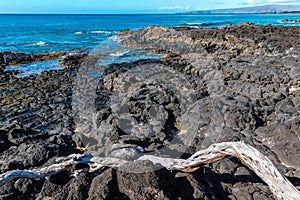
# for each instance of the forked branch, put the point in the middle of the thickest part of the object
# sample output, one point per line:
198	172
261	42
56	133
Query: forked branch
251	157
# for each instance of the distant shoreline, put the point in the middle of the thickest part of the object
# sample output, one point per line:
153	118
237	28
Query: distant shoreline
286	12
238	13
265	9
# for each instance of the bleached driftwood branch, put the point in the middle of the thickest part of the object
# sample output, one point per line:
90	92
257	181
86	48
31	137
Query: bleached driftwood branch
251	157
95	163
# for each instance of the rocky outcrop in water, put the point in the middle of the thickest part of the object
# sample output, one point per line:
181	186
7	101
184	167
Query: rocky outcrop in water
291	20
234	83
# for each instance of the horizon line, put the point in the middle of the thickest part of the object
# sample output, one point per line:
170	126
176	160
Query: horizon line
139	12
36	13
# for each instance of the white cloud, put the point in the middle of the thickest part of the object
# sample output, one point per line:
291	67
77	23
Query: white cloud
252	1
275	1
268	2
175	8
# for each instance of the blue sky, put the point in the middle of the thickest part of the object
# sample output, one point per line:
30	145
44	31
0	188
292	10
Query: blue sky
126	6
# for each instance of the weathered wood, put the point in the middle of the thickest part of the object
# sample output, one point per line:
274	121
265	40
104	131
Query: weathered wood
251	157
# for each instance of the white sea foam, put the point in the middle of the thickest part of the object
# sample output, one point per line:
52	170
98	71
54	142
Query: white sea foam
116	38
40	43
118	53
72	53
92	32
193	26
187	26
100	32
194	23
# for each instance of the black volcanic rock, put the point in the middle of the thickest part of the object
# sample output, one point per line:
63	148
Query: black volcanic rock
234	83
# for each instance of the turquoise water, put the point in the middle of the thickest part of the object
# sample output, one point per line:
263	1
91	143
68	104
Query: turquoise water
96	33
44	33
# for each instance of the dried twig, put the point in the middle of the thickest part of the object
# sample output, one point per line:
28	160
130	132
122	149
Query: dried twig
251	157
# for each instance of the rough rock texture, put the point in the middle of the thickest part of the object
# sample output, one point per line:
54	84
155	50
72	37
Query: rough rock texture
248	71
225	84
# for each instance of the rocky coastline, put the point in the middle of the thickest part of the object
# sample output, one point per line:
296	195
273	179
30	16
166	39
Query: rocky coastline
233	83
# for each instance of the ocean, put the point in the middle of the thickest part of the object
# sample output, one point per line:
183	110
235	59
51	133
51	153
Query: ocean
45	33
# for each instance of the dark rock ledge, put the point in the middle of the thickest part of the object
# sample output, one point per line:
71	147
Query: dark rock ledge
15	58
